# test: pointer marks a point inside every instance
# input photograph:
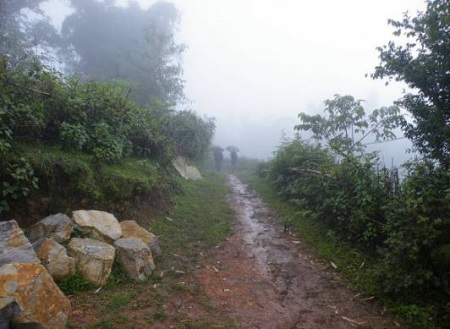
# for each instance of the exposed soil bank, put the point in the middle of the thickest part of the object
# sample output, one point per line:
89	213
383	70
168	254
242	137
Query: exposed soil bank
265	278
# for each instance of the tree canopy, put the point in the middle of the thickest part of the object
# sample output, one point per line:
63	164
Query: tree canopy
20	35
345	125
423	63
103	41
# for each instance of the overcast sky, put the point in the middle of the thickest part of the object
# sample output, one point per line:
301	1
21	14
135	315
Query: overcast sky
254	64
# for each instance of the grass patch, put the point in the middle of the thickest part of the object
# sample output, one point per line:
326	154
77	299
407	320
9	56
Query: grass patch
119	300
74	284
200	219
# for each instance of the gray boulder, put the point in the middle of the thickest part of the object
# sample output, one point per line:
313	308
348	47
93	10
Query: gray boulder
135	258
54	258
57	227
94	259
8	309
14	246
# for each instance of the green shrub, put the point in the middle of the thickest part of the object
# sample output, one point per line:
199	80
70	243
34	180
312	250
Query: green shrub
403	224
97	122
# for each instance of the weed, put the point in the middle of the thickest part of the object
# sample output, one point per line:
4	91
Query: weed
75	284
122	319
159	315
119	300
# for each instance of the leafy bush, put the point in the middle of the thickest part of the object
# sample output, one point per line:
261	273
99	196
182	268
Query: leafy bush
299	171
191	133
402	223
39	106
73	136
416	255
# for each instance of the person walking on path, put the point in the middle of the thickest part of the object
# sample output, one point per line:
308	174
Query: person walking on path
218	157
234	156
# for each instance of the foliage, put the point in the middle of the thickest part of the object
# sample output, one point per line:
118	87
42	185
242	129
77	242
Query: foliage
75	284
19	35
346	126
127	43
403	224
97	120
191	133
417	233
298	172
423	63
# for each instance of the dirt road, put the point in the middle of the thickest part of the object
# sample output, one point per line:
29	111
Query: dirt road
265	278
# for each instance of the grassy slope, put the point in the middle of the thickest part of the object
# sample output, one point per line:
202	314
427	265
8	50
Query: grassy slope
201	219
357	267
70	180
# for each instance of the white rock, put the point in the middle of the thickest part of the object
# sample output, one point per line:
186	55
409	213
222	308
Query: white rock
57	227
14	246
103	226
186	171
43	304
54	258
135	258
93	258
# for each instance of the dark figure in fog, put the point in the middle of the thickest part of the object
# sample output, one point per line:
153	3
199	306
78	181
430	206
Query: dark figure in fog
218	157
234	159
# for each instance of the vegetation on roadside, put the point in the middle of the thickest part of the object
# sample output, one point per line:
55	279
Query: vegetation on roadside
74	141
389	235
398	227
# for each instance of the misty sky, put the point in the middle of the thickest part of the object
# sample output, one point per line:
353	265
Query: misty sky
254	64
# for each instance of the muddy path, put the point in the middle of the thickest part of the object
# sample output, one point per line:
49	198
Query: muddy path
265	278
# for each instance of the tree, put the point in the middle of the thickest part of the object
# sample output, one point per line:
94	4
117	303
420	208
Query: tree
192	134
423	63
105	42
346	125
23	39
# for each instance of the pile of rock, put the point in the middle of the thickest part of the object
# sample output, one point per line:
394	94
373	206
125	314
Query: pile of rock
30	266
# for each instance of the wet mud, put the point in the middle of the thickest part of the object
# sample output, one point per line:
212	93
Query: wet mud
266	278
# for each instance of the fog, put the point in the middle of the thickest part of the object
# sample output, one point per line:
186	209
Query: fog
254	65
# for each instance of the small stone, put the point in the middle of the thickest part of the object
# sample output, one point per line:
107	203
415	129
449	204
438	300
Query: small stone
54	258
14	246
131	229
57	227
43	304
103	226
94	259
135	258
